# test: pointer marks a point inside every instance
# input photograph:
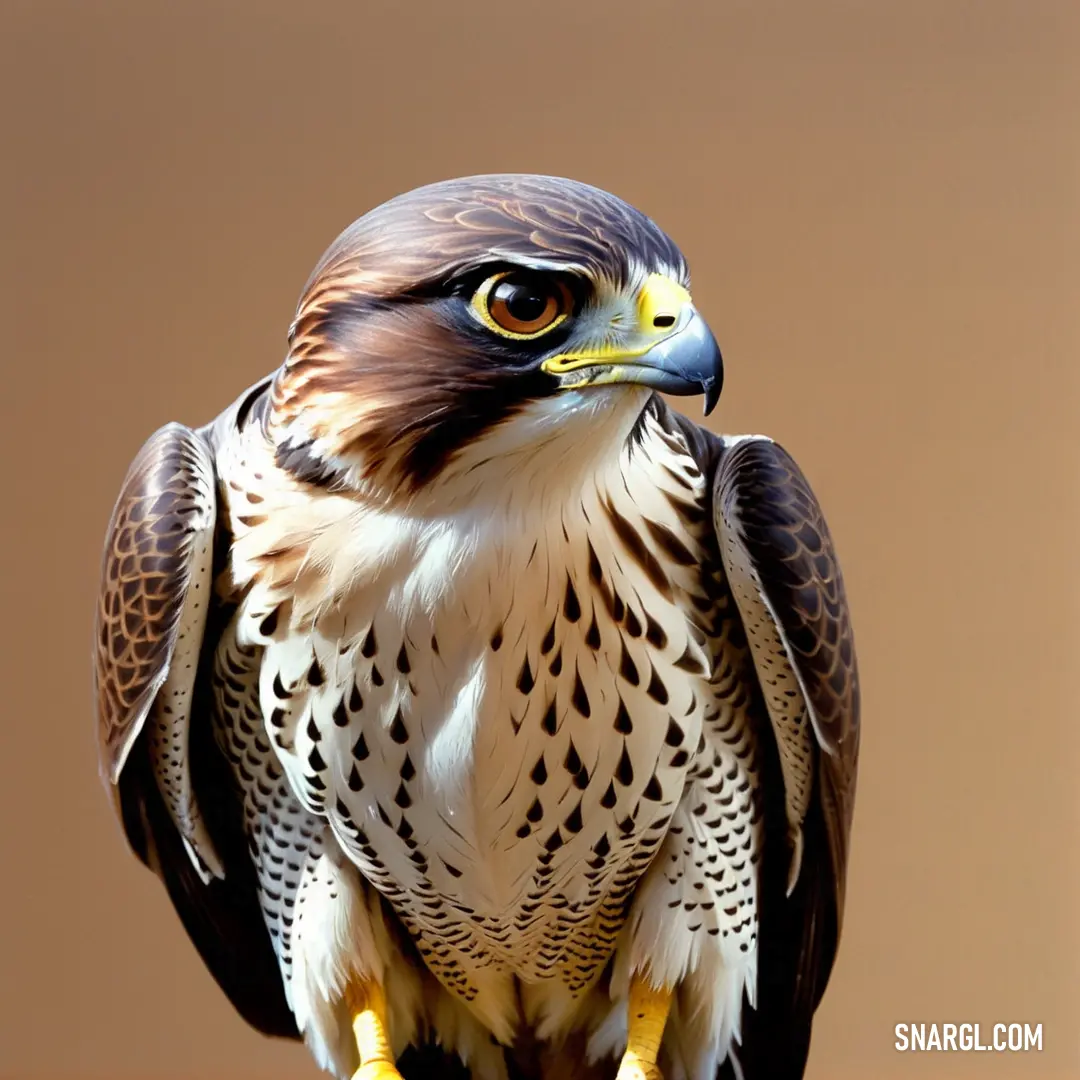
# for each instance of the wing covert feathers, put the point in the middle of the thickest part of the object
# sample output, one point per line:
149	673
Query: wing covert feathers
765	506
152	607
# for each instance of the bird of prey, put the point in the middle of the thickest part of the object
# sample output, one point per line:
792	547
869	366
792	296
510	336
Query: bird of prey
478	710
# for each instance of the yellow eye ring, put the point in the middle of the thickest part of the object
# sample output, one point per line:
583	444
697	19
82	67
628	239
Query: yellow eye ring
522	304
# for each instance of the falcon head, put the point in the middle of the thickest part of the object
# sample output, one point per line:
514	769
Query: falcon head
491	318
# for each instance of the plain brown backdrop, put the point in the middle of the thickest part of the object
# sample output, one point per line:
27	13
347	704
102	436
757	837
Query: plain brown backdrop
881	206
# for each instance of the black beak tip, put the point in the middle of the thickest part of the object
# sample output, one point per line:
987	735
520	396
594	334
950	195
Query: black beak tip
713	384
712	393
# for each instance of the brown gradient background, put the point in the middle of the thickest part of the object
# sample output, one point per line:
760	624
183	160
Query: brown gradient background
880	204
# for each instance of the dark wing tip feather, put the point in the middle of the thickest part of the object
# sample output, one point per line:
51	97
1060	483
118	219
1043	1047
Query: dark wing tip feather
222	918
799	936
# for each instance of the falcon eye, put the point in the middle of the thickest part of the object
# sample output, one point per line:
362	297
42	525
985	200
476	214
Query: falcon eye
521	304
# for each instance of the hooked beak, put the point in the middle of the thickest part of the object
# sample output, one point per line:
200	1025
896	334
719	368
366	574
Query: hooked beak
678	355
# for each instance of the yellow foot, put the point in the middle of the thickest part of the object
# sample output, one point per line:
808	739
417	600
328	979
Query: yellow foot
632	1069
649	1010
377	1070
367	1003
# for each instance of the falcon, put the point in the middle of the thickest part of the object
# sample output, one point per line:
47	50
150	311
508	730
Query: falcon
477	710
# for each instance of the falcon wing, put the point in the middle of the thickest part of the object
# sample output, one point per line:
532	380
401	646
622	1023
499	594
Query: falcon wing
158	555
157	756
785	576
766	512
783	571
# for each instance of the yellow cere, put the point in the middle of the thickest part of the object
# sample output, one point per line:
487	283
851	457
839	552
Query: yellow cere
660	303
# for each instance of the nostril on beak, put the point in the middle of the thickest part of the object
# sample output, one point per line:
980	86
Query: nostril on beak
662	322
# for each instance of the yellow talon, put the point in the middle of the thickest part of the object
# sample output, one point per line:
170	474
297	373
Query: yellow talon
649	1010
367	1003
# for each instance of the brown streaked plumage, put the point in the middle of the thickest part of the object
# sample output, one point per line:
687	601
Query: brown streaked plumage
765	501
371	296
428	235
167	498
450	679
151	616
